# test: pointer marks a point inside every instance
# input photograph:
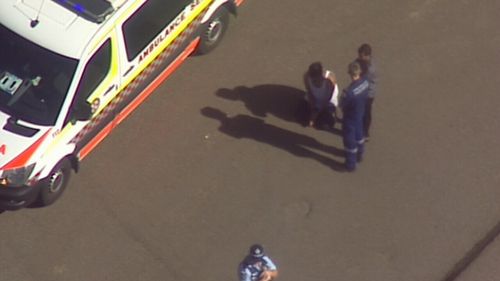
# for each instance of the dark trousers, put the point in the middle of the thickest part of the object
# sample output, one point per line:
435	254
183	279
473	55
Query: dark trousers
367	118
326	116
353	143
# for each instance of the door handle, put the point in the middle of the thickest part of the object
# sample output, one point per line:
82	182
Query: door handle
128	70
110	89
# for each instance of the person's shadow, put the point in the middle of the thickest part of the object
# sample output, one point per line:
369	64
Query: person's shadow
245	126
284	102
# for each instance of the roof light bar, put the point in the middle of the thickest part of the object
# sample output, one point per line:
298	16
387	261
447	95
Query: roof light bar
92	10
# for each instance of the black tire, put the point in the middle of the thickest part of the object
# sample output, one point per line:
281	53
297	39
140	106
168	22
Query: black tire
213	31
55	183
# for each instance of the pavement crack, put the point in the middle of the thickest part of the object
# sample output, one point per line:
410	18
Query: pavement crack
472	254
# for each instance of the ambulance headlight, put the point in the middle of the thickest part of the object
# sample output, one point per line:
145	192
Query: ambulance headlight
16	177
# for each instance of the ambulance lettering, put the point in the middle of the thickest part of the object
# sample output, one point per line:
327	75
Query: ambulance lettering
175	23
48	153
195	4
55	133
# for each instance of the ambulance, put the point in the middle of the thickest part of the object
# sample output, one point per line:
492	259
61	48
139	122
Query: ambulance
72	70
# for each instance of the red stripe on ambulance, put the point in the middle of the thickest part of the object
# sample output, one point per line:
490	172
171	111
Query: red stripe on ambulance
139	100
22	159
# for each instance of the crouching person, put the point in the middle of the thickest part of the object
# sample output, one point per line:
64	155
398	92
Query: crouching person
257	266
320	86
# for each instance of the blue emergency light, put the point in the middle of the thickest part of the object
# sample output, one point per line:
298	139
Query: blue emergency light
92	10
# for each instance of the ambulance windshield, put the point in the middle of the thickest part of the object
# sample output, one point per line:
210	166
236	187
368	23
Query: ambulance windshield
33	80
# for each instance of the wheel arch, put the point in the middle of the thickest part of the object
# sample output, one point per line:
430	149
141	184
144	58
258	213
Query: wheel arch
74	161
56	157
228	4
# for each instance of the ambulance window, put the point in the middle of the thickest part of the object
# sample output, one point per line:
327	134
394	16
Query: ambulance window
147	22
95	71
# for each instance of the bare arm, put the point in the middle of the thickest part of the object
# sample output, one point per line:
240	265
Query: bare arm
331	76
268	275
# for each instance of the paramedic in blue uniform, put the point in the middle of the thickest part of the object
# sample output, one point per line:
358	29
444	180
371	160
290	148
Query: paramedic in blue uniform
353	107
257	266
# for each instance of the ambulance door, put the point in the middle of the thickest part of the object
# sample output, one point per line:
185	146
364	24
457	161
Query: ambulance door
101	80
97	87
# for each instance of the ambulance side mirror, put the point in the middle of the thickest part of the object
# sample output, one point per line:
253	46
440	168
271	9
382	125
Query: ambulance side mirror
81	112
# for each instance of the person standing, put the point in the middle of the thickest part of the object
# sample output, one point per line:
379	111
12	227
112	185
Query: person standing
353	107
368	71
320	86
257	266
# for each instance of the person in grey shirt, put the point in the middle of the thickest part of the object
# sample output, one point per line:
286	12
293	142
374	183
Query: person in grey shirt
369	72
257	266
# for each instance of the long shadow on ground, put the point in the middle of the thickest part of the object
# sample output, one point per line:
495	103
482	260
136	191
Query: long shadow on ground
245	126
280	101
284	102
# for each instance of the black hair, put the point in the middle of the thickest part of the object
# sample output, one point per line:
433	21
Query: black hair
316	70
365	49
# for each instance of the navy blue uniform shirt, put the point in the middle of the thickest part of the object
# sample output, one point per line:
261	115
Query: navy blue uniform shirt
353	102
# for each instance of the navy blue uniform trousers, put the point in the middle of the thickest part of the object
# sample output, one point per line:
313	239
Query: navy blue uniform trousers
353	138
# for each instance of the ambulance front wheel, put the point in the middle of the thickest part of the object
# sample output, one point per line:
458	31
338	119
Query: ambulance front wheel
55	183
213	32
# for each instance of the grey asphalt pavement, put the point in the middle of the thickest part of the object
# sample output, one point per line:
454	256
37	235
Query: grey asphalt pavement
216	159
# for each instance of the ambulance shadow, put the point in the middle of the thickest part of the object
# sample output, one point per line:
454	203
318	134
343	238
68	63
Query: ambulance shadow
283	102
245	126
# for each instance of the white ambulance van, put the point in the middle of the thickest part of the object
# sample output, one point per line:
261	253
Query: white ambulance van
71	70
